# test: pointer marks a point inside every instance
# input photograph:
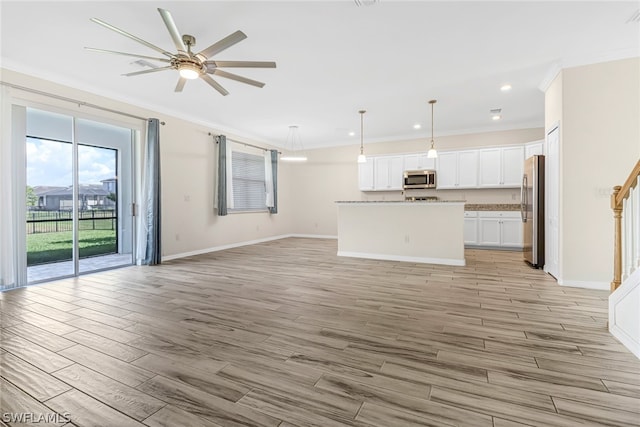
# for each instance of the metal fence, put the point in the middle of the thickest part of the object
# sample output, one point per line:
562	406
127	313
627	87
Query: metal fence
55	221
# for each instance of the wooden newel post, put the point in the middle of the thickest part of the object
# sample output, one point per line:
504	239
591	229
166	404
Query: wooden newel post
617	240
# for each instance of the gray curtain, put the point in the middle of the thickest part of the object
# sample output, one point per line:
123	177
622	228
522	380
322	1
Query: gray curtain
152	193
222	175
274	171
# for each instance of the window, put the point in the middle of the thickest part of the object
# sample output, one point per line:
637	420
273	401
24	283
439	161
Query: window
248	174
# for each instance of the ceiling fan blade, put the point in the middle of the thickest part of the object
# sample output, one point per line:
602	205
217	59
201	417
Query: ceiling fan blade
242	64
221	45
214	84
152	70
237	78
132	37
173	30
181	82
93	49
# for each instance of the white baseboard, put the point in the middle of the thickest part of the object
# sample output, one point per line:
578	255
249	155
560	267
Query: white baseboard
313	236
625	339
602	286
245	243
421	260
623	307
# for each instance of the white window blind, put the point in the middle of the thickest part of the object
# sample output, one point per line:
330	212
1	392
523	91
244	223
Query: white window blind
248	175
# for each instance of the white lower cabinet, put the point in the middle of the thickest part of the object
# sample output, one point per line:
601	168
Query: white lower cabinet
498	229
470	228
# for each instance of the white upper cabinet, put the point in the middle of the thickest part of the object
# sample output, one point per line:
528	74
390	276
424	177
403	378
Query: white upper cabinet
418	161
490	167
533	148
365	175
447	176
512	166
388	173
468	169
457	169
501	167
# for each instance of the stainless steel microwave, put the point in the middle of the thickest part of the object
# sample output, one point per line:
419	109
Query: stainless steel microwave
418	179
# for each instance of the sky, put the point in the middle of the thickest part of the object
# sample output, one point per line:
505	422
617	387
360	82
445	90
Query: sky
50	163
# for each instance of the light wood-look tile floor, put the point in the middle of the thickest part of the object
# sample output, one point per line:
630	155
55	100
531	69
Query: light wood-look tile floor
287	334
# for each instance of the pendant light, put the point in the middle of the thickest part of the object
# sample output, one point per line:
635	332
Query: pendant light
432	153
362	158
294	146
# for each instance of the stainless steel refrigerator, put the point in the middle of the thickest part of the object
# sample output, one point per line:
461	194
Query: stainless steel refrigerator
532	210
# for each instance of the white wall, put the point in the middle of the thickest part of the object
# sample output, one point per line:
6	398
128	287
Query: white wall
331	174
189	222
599	114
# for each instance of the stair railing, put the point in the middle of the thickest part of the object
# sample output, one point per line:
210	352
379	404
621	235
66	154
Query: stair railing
625	202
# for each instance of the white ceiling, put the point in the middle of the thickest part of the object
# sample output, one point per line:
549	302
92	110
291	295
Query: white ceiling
333	59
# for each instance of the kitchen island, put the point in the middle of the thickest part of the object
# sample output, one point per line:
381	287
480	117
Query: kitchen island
414	231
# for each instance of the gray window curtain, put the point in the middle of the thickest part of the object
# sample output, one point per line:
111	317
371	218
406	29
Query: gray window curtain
274	170
152	193
222	175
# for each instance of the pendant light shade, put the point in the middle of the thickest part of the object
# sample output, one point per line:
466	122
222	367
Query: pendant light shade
432	153
362	158
294	147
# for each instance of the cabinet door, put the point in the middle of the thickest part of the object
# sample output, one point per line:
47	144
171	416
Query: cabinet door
388	173
490	167
381	173
471	231
418	161
512	165
489	231
447	176
511	232
395	173
411	162
426	163
365	175
468	169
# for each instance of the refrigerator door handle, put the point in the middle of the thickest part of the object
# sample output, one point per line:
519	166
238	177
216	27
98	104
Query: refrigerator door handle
523	201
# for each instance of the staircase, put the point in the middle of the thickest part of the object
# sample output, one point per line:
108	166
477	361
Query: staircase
624	301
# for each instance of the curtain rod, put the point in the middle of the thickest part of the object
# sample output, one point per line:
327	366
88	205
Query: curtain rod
74	101
246	144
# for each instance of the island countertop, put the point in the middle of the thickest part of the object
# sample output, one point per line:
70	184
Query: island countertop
408	202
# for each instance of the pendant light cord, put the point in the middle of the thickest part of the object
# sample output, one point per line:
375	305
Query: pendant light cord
362	131
433	101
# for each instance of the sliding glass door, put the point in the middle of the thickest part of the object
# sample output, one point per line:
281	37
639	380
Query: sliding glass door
79	196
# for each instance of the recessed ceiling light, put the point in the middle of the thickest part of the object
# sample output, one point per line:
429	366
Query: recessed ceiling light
417	126
496	117
505	88
352	133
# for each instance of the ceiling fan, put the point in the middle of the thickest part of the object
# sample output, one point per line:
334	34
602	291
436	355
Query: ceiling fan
190	65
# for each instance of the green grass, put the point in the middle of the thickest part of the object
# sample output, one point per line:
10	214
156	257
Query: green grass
53	247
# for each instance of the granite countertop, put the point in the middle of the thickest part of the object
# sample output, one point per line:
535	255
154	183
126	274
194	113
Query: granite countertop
492	207
401	201
467	206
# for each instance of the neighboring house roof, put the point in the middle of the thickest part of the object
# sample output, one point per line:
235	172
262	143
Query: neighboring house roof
84	190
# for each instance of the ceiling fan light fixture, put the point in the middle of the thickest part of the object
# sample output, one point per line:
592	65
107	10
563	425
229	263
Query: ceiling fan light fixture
189	71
